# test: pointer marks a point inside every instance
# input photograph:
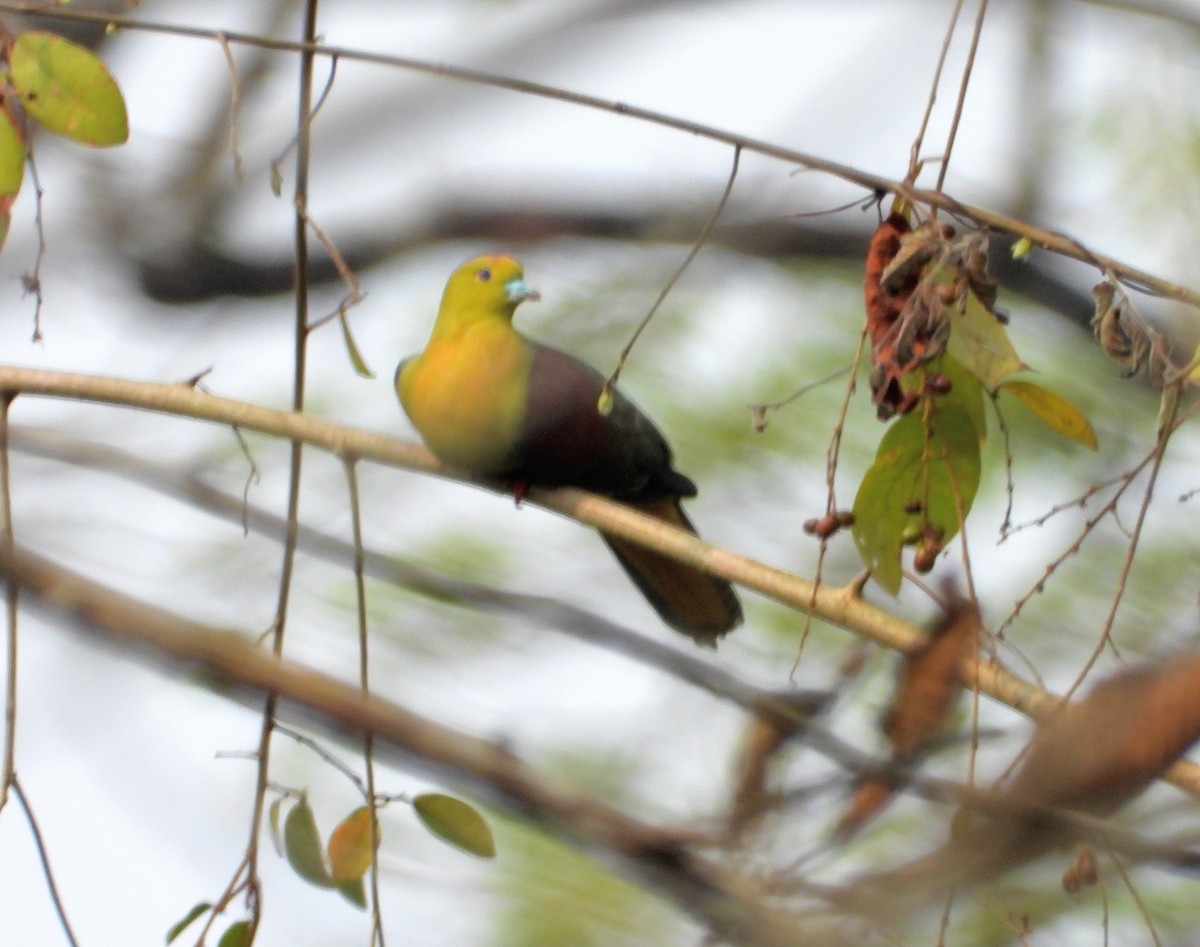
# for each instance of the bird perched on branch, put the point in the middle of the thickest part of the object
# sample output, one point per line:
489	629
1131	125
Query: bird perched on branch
489	401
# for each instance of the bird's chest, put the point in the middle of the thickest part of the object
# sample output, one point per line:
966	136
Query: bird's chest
466	396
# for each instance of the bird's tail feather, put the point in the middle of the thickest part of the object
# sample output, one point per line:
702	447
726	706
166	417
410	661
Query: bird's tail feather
700	605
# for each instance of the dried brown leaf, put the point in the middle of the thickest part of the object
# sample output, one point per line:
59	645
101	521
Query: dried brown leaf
871	795
1102	750
929	681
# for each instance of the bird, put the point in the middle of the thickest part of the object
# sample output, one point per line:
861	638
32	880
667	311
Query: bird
491	402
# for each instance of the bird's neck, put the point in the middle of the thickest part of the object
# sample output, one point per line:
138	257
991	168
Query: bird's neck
456	325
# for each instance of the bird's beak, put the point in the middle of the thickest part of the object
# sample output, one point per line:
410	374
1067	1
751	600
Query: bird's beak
518	291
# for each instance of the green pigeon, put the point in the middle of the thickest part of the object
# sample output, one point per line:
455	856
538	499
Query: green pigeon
491	402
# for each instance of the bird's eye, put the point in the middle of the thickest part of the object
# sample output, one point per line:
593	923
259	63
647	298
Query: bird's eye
483	275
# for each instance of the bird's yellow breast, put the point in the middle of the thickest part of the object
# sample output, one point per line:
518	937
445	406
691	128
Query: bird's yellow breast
466	394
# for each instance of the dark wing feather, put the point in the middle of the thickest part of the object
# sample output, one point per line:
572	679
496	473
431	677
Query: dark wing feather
567	442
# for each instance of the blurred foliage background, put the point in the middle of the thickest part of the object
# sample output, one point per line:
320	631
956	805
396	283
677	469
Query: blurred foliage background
162	263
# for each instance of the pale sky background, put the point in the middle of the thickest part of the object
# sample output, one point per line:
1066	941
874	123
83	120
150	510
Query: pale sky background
141	820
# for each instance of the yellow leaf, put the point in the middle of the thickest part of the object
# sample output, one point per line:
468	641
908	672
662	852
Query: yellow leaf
349	846
12	156
1055	412
979	340
67	89
1194	374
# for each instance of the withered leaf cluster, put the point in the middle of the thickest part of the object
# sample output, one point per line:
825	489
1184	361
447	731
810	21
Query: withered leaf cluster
1090	758
927	686
915	278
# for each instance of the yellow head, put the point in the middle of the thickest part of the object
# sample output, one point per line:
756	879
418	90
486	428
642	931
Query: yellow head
486	286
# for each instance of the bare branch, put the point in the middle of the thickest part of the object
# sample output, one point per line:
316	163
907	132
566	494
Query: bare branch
1048	240
842	606
730	905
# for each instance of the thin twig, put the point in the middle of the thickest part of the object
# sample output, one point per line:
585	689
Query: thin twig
962	94
1142	907
701	240
240	881
914	160
364	681
253	475
760	412
1006	527
43	855
1049	240
311	744
832	453
300	335
293	143
354	294
1089	525
7	537
235	109
32	281
1160	450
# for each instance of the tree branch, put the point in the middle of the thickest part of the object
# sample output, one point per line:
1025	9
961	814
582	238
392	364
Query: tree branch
841	606
1049	240
730	905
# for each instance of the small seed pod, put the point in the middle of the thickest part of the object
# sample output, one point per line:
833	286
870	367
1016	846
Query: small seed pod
845	518
827	525
824	527
938	384
924	558
1083	873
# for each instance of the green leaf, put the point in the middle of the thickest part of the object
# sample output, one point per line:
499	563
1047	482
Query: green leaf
1054	411
453	821
12	156
937	470
356	359
182	924
966	392
350	846
302	844
238	934
354	891
979	340
67	89
5	221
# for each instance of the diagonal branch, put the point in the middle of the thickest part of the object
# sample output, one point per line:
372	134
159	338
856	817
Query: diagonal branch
1052	241
730	905
839	606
